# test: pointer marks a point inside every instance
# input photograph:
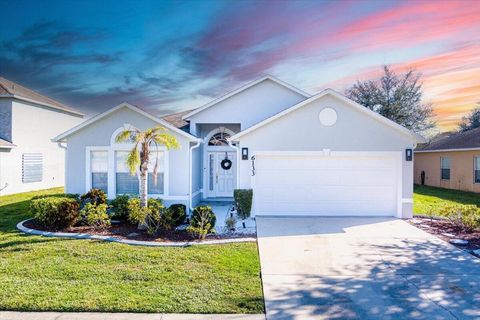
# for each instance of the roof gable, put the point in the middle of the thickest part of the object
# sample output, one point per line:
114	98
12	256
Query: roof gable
243	88
10	89
160	121
418	138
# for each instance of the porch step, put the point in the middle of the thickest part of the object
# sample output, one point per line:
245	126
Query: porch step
221	199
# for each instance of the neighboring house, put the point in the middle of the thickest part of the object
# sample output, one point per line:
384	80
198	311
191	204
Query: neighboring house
29	159
450	161
301	154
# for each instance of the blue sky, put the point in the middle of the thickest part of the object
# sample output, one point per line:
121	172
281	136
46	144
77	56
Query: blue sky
169	56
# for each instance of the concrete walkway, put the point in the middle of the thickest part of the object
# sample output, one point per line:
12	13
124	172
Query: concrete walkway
363	268
10	315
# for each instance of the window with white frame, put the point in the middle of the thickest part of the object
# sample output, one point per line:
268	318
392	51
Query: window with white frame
445	168
125	182
156	186
99	170
476	169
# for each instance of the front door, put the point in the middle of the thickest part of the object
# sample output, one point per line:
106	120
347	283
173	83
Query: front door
221	180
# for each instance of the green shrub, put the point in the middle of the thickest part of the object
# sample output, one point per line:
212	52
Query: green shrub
95	215
120	207
94	196
202	222
55	213
243	202
150	217
179	213
464	216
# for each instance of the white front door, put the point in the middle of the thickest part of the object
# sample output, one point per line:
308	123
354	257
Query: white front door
220	181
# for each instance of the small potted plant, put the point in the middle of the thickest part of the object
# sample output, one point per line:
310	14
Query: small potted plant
230	223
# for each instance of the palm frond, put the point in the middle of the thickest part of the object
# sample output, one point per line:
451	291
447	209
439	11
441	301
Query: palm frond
123	136
166	140
133	160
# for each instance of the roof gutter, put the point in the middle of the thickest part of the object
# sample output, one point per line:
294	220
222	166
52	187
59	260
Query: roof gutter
14	96
447	150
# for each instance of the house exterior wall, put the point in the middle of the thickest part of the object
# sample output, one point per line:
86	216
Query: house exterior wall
248	107
301	130
32	128
99	134
461	169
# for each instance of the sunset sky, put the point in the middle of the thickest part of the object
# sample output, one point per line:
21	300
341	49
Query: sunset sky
176	55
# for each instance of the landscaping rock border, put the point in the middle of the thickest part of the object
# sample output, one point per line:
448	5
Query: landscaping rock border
72	235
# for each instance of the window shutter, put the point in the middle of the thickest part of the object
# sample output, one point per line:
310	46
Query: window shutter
32	167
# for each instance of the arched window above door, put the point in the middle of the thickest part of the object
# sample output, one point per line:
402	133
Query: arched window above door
219	139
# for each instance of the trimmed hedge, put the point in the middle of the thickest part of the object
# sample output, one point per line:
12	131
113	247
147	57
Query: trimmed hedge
56	213
243	202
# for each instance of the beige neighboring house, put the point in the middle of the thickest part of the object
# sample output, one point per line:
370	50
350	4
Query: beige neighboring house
29	159
451	161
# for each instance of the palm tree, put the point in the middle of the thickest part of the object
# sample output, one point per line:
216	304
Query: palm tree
139	157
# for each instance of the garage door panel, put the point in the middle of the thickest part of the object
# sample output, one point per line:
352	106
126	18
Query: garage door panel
326	185
327	178
326	193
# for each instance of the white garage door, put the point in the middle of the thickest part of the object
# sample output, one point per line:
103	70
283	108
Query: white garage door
328	185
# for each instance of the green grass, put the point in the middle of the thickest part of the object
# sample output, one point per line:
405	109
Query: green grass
426	198
40	274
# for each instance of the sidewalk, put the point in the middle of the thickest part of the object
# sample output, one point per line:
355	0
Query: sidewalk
13	315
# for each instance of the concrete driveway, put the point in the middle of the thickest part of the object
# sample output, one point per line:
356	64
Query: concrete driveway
363	268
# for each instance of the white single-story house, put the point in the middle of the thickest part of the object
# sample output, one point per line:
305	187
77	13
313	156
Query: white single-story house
301	154
29	159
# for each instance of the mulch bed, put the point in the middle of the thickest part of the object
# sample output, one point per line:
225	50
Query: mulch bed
446	230
124	230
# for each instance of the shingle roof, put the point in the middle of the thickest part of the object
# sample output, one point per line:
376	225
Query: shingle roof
6	144
463	140
11	89
176	118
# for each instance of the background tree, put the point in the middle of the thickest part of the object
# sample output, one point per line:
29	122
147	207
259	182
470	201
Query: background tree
397	97
471	120
139	157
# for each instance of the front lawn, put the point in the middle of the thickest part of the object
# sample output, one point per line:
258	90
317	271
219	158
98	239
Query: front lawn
40	274
425	198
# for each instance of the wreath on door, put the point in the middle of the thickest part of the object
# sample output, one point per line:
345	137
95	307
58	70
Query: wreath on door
226	163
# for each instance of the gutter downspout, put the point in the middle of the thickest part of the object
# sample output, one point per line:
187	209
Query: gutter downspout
65	162
190	197
237	148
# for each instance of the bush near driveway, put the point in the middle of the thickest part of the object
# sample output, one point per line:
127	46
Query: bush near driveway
49	274
243	202
466	217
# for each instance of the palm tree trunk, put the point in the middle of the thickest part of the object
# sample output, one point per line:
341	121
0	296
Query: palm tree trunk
143	191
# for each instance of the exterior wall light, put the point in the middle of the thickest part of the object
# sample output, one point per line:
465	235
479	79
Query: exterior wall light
244	153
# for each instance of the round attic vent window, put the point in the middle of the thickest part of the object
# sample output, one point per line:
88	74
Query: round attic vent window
328	117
